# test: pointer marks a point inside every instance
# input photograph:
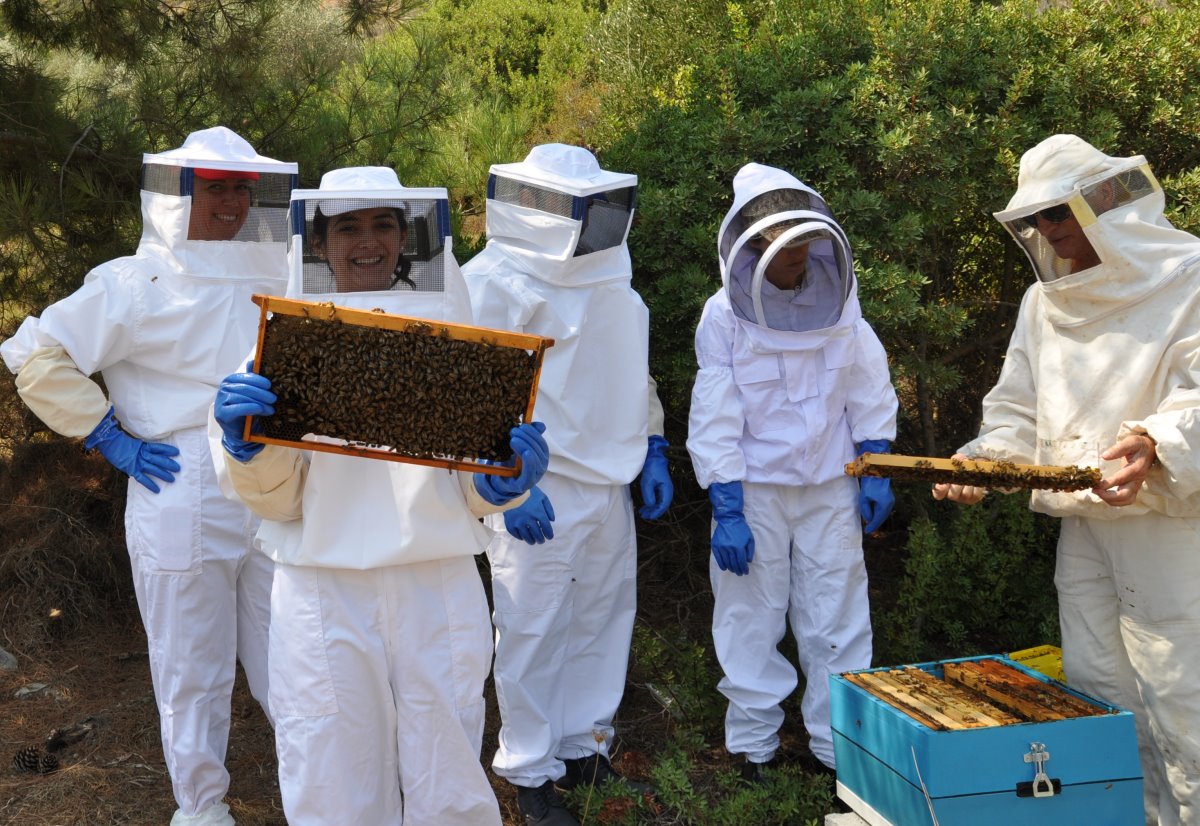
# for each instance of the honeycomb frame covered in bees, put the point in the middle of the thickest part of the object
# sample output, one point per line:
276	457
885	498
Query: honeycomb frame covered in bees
972	693
977	472
376	385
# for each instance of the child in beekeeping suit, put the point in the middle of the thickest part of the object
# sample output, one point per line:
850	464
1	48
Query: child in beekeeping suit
793	383
162	327
557	265
1103	370
383	641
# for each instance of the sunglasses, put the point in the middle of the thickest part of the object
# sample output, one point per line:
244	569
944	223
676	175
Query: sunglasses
1052	215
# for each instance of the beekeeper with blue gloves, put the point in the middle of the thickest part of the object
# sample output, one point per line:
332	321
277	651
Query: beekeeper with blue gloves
556	265
792	385
382	642
162	327
1103	370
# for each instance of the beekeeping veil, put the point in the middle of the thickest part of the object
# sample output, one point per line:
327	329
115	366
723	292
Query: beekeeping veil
363	240
773	217
170	190
1118	204
556	264
562	214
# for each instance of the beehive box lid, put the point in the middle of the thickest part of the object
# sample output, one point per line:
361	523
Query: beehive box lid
425	392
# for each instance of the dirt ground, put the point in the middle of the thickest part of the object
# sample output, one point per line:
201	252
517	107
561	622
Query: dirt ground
95	679
98	681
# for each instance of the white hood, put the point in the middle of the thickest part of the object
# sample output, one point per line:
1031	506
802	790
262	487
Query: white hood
533	277
168	181
825	307
1139	251
433	289
568	194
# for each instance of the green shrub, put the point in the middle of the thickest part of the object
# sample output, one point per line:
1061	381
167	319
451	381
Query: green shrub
909	117
981	582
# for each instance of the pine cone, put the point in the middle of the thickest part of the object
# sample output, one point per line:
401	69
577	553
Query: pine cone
27	759
48	764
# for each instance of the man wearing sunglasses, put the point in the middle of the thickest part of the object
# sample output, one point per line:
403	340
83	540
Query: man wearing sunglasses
1104	370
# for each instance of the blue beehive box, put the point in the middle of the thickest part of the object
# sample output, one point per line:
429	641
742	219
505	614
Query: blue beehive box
894	770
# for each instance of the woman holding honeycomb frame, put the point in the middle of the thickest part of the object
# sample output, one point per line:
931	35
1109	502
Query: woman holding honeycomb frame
384	640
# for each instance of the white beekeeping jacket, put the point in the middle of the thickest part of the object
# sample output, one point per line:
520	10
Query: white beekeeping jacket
1105	351
557	265
790	380
364	241
166	324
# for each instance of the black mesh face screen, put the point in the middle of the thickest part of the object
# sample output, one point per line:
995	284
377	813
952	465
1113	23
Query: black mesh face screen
372	245
606	220
261	206
510	191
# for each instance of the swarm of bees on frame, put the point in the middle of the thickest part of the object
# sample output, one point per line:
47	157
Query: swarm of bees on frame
1001	475
415	392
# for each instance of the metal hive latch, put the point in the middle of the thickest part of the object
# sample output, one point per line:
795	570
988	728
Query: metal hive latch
1042	785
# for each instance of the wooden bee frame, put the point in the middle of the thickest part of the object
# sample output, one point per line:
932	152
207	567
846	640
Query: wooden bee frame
972	694
398	375
978	472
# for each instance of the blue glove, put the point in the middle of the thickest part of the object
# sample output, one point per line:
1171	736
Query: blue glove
531	520
657	490
527	443
875	497
241	395
875	501
141	460
874	446
732	542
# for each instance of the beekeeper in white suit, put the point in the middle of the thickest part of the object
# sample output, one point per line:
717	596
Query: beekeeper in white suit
1103	370
163	327
556	264
793	383
382	643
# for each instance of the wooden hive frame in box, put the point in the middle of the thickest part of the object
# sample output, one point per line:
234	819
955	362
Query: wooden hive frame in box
382	386
978	472
973	694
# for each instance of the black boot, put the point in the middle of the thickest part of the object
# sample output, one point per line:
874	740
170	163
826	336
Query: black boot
757	774
595	770
543	807
812	764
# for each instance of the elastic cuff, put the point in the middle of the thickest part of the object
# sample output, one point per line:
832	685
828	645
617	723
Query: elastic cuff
244	451
105	430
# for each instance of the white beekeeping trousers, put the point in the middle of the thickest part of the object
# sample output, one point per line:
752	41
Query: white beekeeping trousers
377	694
564	614
808	571
1129	607
204	596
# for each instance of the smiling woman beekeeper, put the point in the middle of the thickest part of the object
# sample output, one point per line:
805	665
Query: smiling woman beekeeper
1103	370
792	384
382	642
163	327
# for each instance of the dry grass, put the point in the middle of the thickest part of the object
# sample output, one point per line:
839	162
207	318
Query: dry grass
115	776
